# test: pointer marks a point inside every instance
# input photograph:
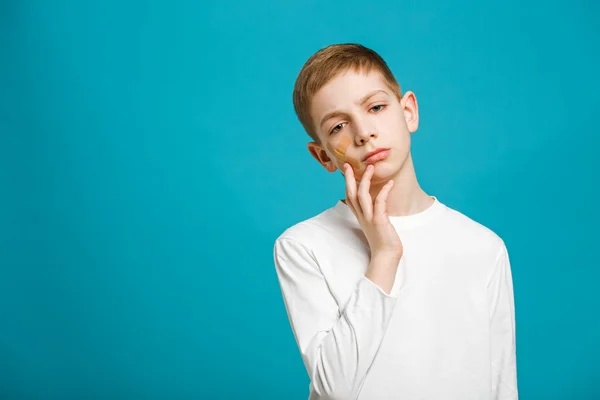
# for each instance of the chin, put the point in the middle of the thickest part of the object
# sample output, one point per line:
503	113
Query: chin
384	171
387	169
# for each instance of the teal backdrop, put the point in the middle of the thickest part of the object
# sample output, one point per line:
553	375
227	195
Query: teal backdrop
150	156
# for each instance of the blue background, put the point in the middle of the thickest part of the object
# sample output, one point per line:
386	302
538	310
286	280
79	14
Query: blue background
150	156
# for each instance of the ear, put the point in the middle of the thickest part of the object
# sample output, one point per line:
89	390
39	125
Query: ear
411	111
316	150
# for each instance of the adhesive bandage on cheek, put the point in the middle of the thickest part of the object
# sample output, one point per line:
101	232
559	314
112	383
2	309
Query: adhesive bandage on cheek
340	153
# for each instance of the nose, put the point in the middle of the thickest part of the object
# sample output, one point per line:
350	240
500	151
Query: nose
365	131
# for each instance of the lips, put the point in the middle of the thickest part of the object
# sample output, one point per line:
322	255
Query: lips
376	155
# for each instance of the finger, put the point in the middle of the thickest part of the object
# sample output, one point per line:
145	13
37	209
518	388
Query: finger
381	200
364	197
351	189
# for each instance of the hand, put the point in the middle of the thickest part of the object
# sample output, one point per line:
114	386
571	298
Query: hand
372	217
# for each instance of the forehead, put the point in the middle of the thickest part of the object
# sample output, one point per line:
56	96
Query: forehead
345	89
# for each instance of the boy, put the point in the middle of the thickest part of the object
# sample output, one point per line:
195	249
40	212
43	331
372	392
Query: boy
390	293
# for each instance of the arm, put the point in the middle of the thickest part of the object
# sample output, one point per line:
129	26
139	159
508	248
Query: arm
503	331
338	344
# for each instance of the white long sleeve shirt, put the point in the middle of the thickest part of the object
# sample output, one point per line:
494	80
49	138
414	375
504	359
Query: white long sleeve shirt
445	332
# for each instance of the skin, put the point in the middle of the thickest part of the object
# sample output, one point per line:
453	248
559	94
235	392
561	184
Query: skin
340	153
368	115
382	121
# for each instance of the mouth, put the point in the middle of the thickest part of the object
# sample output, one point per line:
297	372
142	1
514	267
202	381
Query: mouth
376	155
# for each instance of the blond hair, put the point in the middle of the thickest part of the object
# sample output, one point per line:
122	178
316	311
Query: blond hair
324	65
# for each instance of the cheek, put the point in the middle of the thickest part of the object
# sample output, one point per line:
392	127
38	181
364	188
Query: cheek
339	152
356	164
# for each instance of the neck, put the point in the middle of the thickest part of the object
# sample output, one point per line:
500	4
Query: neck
406	196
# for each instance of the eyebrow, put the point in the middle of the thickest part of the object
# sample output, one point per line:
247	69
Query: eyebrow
335	113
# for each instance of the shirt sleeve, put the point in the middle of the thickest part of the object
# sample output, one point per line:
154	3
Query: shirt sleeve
338	344
503	330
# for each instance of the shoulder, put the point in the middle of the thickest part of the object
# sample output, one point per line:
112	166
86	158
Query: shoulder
304	245
472	233
315	231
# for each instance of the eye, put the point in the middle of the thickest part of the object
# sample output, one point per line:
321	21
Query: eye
337	128
378	107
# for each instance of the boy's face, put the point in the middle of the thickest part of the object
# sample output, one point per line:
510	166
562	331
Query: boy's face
356	113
